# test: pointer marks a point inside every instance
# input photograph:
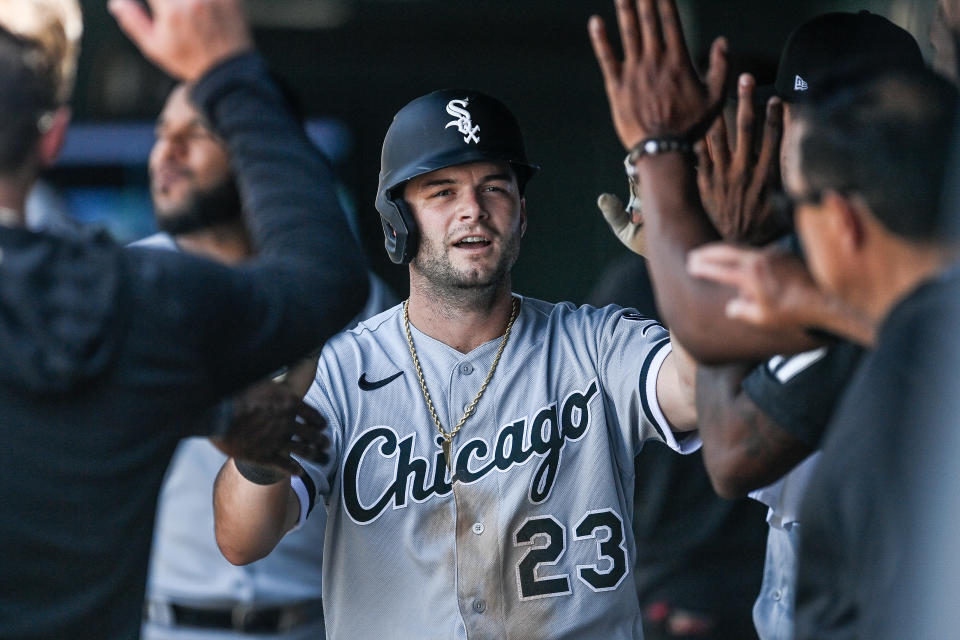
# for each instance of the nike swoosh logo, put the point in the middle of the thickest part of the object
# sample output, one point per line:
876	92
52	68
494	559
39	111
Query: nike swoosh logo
370	385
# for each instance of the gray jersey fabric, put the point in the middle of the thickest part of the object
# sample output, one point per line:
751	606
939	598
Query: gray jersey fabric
533	538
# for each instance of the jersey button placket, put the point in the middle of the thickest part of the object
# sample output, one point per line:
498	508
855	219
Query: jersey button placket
476	502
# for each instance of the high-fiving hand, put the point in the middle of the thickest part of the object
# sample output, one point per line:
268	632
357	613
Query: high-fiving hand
774	289
625	222
773	285
735	183
185	38
655	91
269	423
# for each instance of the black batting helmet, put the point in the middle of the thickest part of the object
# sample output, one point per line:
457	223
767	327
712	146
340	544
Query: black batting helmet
441	129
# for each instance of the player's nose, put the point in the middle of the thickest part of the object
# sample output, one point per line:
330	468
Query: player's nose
470	206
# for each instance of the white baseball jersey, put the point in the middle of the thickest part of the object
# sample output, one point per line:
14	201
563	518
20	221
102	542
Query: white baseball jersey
531	537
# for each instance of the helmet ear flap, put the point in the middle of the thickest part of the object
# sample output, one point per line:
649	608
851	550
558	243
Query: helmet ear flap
400	232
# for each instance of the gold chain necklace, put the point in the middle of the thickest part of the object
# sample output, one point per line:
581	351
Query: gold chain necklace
448	437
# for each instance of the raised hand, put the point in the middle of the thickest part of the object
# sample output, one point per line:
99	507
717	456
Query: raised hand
775	290
735	183
655	91
270	422
760	277
625	222
185	38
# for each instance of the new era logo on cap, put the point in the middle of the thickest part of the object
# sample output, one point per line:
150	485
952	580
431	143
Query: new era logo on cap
836	41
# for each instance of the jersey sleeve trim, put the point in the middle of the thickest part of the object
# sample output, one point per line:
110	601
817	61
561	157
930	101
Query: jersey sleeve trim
799	393
304	488
687	442
648	387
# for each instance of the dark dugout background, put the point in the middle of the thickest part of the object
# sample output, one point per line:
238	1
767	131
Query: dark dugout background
359	61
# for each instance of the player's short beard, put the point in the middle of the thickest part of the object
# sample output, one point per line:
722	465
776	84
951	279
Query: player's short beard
464	288
204	208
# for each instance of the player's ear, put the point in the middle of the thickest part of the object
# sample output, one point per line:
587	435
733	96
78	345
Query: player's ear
850	219
54	133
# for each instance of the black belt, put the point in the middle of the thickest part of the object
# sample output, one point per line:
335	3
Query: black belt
242	618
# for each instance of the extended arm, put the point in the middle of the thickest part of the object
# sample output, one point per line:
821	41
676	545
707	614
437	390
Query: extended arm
743	449
695	309
309	278
676	387
774	289
254	503
250	519
757	424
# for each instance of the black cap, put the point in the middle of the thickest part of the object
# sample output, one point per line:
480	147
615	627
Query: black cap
832	41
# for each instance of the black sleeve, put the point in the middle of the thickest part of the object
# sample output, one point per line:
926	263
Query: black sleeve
799	393
289	195
199	330
309	277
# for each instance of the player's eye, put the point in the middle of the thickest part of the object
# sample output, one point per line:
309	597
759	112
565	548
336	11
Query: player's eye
441	193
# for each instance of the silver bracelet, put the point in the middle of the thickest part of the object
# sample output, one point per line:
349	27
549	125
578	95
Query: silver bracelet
654	147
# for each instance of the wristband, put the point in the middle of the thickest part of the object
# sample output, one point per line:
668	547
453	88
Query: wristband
654	147
258	474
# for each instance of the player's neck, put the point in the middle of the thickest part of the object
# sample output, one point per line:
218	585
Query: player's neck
894	272
227	242
460	324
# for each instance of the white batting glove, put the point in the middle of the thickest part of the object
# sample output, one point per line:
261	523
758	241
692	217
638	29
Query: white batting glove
626	223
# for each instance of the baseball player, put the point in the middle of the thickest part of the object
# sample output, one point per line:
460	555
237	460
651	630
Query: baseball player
481	481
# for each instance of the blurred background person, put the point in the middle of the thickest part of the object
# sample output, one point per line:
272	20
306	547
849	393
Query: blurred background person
107	353
876	241
192	591
874	236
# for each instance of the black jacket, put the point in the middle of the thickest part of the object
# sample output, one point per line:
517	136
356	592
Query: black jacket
106	354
